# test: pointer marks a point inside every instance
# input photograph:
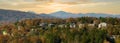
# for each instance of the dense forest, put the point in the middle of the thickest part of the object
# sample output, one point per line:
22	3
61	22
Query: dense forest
71	30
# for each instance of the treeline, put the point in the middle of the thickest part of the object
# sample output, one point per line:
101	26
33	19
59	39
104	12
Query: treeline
30	31
109	20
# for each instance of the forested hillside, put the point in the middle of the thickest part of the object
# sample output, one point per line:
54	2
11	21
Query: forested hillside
71	30
13	15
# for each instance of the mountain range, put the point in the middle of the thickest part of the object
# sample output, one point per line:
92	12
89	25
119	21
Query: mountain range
14	15
62	14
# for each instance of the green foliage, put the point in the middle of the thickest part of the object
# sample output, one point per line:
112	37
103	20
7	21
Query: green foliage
31	32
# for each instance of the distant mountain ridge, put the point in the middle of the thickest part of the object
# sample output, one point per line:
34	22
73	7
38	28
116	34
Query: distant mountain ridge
13	15
62	14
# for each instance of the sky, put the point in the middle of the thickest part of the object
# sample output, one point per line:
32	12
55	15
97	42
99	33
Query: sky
73	6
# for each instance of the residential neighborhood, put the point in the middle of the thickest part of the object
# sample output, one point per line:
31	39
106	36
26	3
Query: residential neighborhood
59	30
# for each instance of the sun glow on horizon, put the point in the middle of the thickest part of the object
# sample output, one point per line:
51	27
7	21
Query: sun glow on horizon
72	6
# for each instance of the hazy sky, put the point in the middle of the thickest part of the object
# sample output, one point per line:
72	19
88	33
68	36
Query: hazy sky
73	6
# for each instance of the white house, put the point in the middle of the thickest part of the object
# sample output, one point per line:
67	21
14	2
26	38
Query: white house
102	25
81	25
4	33
19	27
51	25
72	25
61	25
91	25
115	36
42	24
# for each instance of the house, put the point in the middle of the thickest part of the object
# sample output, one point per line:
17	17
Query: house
96	22
72	25
116	36
32	31
81	25
42	24
51	25
19	27
4	33
102	25
62	25
91	25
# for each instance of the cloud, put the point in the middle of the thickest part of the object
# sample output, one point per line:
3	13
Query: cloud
70	1
104	0
57	1
47	6
11	0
